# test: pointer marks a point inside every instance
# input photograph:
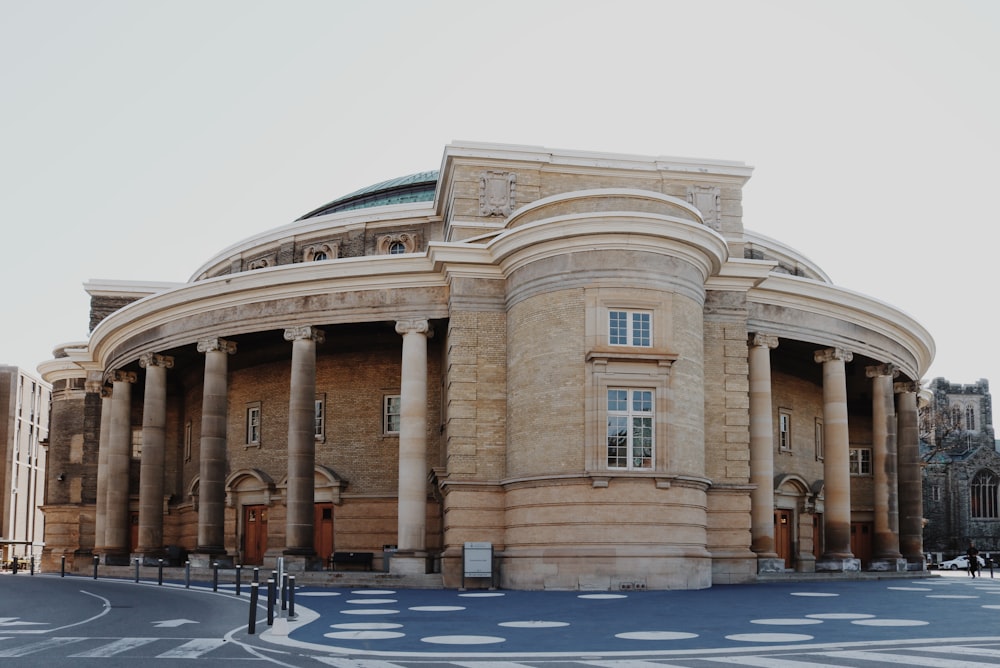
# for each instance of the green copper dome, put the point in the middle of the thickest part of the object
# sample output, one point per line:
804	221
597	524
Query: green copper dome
418	187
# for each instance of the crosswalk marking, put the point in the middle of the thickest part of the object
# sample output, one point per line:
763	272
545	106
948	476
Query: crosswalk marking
116	647
355	663
767	662
193	649
906	660
969	651
31	648
512	664
627	663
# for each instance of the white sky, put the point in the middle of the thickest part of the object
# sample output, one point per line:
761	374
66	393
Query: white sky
139	138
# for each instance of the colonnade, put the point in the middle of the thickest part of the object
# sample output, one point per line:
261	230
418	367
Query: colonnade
112	531
897	538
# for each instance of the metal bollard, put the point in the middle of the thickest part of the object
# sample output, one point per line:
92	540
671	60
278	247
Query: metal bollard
96	560
239	578
159	575
187	574
215	576
252	623
256	575
13	565
137	569
270	602
291	596
31	565
284	591
62	566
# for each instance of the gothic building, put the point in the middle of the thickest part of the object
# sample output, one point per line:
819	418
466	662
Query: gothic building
961	468
584	360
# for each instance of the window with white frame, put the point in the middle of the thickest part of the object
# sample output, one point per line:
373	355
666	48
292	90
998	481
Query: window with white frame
136	442
319	418
818	431
390	414
630	328
983	495
253	424
861	461
784	431
630	428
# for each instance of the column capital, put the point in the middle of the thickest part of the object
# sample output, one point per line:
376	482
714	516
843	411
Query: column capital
906	386
307	332
119	376
214	343
153	359
758	340
831	354
94	382
418	325
876	370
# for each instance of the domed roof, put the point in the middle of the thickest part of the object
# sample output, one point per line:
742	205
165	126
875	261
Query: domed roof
417	187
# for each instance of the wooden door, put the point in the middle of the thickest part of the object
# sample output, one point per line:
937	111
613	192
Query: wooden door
133	530
861	541
783	535
323	530
254	534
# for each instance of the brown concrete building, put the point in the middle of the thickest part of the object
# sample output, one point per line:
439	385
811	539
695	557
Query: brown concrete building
24	405
583	360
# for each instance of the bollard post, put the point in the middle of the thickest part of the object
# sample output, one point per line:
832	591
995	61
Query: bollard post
187	574
159	575
256	575
291	596
13	565
270	602
215	576
239	578
31	565
62	566
96	560
137	569
284	591
252	624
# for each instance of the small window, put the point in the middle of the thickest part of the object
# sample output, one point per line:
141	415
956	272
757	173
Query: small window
784	431
390	414
630	328
818	428
319	420
936	493
136	443
320	255
187	441
253	424
397	248
861	461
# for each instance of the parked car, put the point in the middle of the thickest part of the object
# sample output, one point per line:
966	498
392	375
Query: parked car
961	563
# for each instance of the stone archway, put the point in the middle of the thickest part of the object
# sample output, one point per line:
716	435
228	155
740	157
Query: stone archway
249	493
794	517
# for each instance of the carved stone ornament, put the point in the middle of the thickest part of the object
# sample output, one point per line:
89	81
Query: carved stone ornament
496	193
315	252
418	325
708	200
306	332
386	241
216	344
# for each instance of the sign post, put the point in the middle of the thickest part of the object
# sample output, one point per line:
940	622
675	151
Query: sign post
477	561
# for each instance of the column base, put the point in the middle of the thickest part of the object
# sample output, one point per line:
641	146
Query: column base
117	559
770	565
890	565
207	559
409	563
838	565
299	563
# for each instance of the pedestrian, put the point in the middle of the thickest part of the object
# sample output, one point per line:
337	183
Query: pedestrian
973	555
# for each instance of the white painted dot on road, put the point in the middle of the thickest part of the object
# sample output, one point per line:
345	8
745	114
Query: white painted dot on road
483	594
840	615
366	626
889	622
769	637
363	635
533	624
462	640
317	593
951	596
602	596
373	592
792	621
656	635
369	611
371	601
437	608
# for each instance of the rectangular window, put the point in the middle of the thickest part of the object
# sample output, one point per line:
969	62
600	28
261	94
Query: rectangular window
630	429
819	439
784	431
630	328
935	493
187	441
253	424
390	414
319	419
861	461
136	443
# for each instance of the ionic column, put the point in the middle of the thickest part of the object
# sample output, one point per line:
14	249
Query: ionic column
154	423
300	494
885	542
836	463
911	500
762	454
412	516
103	445
212	462
116	529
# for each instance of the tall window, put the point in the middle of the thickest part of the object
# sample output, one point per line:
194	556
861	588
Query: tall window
936	493
136	443
390	414
784	431
253	425
187	441
970	418
861	461
983	501
319	422
818	430
956	417
630	429
630	328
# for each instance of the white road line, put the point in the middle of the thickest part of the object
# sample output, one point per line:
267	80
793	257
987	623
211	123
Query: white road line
766	662
626	663
355	663
193	649
116	647
968	651
905	659
31	648
512	664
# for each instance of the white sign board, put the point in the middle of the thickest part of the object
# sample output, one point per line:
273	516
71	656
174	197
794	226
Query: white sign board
478	560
